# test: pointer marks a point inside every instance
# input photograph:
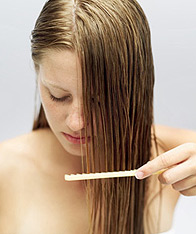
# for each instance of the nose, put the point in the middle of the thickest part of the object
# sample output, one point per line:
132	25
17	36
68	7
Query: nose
75	119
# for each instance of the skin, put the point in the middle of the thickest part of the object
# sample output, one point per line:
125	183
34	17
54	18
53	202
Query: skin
49	204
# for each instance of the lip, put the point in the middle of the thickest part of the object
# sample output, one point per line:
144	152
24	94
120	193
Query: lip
77	137
76	140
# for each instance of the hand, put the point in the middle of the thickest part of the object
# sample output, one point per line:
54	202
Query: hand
180	165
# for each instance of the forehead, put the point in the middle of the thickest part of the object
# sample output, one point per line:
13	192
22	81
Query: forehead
61	66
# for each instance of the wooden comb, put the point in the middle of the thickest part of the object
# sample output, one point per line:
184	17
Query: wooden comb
103	175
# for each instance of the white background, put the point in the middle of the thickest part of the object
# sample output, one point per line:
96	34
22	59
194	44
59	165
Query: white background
173	28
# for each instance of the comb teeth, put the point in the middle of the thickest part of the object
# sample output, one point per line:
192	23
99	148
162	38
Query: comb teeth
100	175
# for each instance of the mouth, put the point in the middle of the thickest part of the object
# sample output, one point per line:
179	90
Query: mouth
76	140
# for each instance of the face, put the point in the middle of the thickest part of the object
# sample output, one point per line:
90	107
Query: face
60	87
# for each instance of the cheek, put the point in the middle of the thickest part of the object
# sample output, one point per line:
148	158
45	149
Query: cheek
52	110
45	99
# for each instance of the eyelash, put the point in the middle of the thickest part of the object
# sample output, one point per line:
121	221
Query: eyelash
59	99
64	99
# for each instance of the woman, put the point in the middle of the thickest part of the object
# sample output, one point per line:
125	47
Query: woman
95	77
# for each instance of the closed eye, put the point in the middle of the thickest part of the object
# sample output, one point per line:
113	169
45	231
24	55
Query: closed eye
66	98
55	99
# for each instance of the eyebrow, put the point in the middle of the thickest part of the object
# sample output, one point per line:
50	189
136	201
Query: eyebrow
54	85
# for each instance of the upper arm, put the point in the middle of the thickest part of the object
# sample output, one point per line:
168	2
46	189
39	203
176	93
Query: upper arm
172	137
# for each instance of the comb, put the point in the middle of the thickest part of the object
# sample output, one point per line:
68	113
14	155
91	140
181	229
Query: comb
103	175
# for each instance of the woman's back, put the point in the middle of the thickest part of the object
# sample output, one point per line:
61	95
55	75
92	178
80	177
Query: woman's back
35	198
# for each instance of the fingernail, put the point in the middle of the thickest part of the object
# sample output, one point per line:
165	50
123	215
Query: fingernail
139	175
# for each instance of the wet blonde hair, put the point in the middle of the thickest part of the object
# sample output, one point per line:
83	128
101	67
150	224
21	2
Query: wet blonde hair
112	40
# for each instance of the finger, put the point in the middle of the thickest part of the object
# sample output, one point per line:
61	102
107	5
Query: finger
185	183
189	192
165	160
177	173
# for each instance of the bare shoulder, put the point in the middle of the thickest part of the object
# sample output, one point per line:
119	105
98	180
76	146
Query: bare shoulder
24	143
31	137
19	152
172	137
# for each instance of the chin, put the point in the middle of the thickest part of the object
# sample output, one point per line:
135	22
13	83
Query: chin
74	152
